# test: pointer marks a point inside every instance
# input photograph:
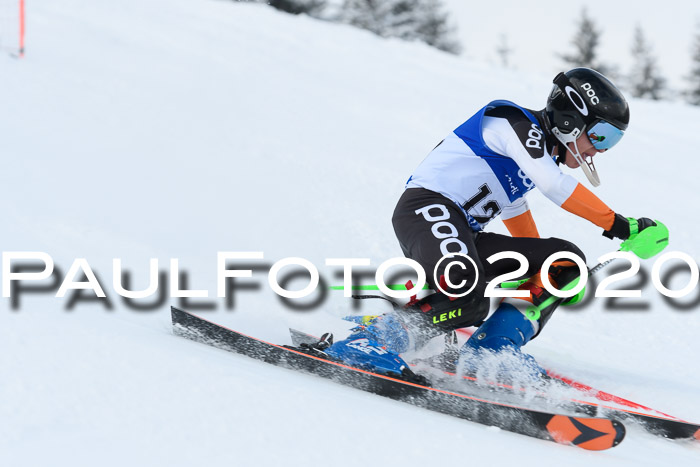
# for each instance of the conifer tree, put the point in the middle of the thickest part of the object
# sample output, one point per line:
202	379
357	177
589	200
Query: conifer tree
693	92
422	20
586	42
297	7
645	79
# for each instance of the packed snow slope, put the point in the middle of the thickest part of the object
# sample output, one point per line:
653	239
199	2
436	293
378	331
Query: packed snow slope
179	128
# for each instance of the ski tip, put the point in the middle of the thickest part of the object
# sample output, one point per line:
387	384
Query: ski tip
593	434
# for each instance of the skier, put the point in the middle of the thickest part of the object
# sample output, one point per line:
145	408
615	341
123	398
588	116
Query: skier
480	171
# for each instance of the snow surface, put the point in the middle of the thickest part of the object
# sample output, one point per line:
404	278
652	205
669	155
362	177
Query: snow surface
179	128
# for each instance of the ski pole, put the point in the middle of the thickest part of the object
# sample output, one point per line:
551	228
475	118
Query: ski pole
647	243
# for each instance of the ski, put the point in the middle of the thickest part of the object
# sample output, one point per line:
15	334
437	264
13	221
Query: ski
666	427
590	433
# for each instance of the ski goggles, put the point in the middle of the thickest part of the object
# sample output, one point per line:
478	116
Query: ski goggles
604	135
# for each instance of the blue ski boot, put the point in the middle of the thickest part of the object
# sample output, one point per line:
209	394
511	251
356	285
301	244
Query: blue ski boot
375	347
494	348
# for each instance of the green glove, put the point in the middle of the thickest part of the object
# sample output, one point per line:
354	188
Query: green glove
627	227
648	242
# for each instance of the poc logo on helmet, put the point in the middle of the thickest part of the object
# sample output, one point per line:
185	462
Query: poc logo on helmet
590	93
577	100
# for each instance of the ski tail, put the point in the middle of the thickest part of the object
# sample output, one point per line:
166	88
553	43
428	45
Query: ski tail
595	434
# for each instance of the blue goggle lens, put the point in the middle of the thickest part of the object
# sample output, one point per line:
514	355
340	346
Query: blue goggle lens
603	135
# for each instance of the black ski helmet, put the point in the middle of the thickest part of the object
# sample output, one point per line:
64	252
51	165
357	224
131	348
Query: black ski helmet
582	97
584	102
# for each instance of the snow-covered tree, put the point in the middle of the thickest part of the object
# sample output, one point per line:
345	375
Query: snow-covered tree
296	7
586	42
386	18
645	79
504	50
693	92
422	20
433	26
